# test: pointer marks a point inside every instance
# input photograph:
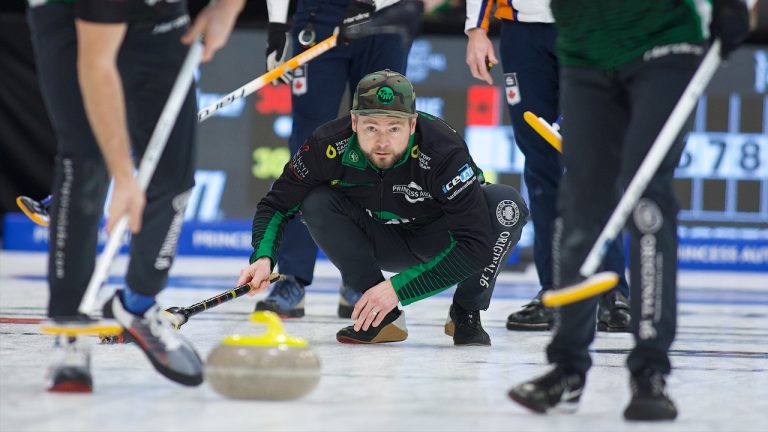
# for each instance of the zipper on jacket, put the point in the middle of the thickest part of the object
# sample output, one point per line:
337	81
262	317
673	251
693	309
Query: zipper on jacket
380	173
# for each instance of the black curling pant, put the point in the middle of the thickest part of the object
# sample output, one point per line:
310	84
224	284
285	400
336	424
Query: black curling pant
611	119
149	64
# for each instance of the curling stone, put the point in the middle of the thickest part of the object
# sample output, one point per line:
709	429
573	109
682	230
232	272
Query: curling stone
270	366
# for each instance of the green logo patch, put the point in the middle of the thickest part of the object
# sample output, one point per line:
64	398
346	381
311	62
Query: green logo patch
385	95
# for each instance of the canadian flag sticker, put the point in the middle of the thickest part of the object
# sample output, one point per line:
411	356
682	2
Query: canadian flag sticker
511	88
299	81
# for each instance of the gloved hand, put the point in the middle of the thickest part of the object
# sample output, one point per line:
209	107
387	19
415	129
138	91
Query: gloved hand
277	50
358	13
730	23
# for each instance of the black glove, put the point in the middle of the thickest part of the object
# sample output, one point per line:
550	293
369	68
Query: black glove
402	18
358	13
277	50
730	24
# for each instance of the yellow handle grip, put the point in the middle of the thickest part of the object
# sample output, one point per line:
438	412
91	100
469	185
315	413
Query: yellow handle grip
274	335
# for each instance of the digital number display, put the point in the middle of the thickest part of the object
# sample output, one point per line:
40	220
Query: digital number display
724	155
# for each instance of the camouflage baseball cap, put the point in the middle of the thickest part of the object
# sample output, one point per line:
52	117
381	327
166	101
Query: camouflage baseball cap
384	93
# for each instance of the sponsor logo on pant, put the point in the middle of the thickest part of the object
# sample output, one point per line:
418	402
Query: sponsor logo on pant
507	213
648	272
62	218
648	220
168	249
500	249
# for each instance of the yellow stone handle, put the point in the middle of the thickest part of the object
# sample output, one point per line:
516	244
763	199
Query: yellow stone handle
269	319
274	335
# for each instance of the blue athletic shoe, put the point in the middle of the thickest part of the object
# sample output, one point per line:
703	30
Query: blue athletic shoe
286	299
347	300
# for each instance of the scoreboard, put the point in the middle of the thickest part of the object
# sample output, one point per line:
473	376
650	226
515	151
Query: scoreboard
723	174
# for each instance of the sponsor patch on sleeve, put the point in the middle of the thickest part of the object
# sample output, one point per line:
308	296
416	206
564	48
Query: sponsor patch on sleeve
462	180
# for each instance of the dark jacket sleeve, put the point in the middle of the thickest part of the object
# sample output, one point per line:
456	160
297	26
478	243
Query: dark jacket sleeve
456	186
301	174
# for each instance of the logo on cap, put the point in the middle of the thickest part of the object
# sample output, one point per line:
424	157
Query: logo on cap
385	95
